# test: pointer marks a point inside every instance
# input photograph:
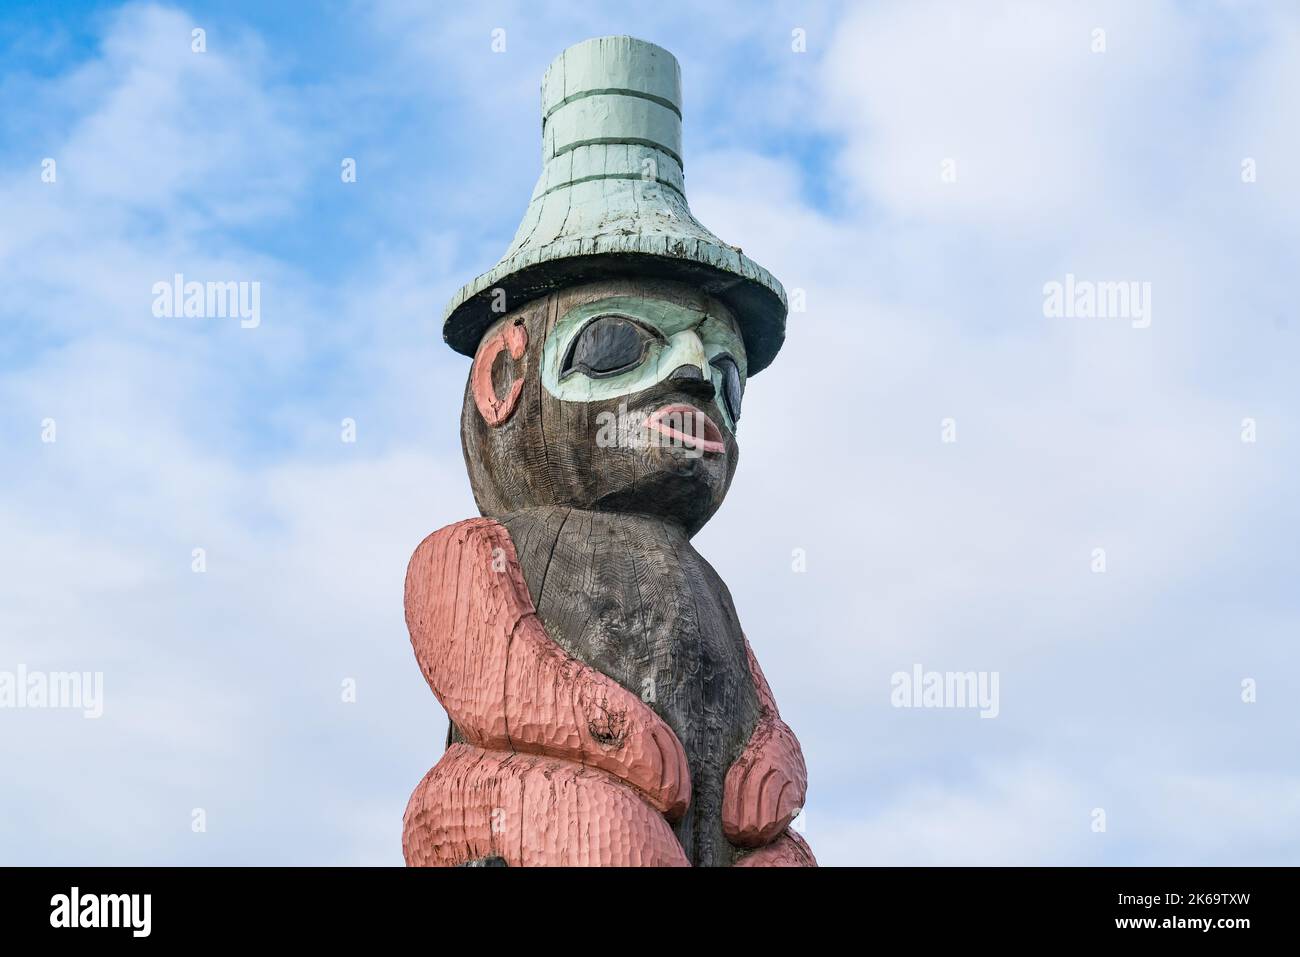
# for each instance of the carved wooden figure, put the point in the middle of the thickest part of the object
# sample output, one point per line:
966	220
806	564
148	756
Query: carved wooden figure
605	706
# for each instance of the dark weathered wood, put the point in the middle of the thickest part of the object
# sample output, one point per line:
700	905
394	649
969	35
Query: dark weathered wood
628	594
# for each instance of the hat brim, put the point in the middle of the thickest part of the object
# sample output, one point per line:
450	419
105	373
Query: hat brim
758	305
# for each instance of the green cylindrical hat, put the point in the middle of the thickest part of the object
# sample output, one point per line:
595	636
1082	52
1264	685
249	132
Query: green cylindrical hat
611	201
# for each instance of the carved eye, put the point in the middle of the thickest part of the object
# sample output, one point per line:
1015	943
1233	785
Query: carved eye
607	346
732	391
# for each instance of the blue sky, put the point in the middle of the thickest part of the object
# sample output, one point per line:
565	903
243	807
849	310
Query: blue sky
1118	690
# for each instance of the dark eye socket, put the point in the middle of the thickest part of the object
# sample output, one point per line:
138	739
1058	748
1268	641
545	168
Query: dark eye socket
607	346
732	391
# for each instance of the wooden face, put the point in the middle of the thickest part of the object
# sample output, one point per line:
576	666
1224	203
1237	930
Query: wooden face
619	395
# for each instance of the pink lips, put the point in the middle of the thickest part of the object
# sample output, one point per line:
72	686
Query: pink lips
687	425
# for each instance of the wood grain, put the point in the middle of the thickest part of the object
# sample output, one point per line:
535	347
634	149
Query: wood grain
530	811
766	787
788	850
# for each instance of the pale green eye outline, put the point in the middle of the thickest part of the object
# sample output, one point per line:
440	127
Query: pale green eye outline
683	336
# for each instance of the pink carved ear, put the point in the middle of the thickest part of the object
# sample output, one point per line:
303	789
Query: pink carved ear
496	410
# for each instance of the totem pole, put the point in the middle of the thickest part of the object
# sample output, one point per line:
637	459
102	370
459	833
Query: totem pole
605	705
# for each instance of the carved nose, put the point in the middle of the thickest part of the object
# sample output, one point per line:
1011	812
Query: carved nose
687	372
690	379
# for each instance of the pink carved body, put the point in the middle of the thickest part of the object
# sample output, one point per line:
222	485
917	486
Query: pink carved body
562	765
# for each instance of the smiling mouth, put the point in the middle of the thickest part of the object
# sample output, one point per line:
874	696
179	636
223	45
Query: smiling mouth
686	425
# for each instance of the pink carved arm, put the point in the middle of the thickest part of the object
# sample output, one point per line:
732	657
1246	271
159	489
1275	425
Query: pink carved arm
765	788
509	687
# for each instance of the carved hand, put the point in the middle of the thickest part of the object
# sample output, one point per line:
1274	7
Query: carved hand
765	788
